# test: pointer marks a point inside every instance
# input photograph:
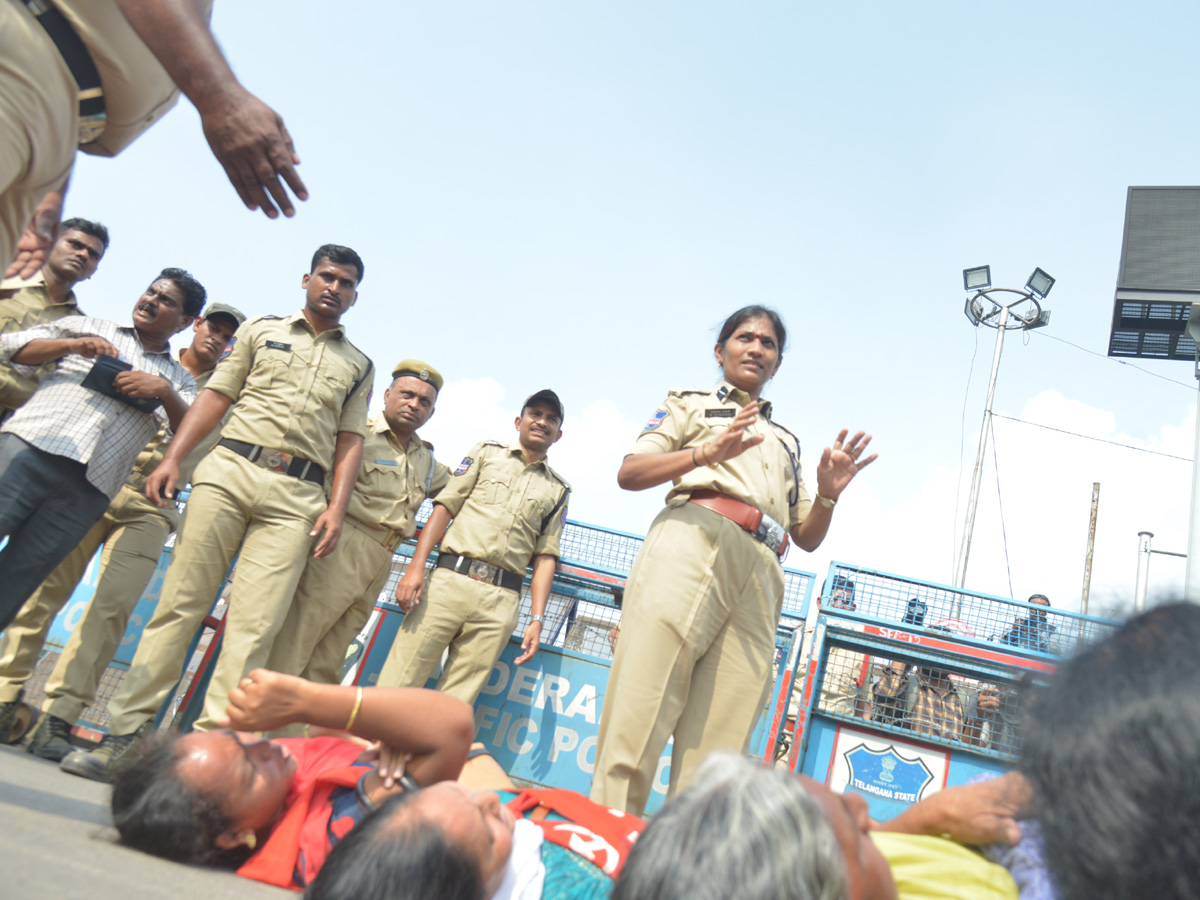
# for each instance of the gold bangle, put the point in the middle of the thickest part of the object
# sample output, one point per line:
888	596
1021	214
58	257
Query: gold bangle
354	712
826	502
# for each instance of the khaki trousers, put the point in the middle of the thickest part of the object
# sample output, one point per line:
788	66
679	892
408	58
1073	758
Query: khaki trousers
234	504
333	602
133	537
695	653
38	121
472	619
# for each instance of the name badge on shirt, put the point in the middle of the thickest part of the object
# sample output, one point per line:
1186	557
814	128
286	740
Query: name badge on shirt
278	345
387	462
720	413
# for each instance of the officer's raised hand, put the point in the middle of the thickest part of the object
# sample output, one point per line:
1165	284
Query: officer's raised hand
733	442
840	463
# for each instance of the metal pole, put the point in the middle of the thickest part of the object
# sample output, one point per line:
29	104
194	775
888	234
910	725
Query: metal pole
1091	545
1191	578
1143	570
960	577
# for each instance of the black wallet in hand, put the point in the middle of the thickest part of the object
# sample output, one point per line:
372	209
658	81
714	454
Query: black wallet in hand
100	379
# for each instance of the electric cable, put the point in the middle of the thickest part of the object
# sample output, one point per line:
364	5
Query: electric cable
1090	438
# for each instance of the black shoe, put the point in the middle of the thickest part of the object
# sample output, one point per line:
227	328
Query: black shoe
51	739
15	719
102	763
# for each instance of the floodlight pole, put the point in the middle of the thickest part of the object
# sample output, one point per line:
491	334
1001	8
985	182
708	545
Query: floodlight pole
1026	312
960	577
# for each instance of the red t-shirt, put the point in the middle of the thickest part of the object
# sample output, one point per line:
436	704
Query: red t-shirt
321	806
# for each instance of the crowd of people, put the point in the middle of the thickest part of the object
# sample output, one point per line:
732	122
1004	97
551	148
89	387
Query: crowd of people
419	807
102	423
1104	804
288	476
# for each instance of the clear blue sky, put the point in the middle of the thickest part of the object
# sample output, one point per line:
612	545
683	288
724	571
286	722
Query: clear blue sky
574	195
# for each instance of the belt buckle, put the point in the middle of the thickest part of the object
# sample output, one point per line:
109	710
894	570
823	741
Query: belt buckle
770	533
277	461
480	571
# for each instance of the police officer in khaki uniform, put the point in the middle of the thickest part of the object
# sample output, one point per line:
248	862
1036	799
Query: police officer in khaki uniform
705	592
133	531
299	391
46	297
95	74
338	592
507	505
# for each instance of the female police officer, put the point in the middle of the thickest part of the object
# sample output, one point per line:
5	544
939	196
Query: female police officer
704	595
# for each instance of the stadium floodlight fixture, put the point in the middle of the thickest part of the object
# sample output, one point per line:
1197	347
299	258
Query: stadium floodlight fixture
974	311
1040	282
1040	319
977	279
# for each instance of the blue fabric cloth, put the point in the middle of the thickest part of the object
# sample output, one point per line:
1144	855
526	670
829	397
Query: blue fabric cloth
1025	861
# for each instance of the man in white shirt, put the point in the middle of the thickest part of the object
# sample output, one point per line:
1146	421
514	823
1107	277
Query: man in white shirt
65	454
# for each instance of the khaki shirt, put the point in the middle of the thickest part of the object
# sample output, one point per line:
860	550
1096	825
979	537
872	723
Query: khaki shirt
152	454
294	390
393	480
766	476
137	89
505	511
28	306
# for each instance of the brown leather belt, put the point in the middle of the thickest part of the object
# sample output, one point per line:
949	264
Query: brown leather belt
751	518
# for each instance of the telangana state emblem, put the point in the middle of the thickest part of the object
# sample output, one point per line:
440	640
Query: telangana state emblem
887	774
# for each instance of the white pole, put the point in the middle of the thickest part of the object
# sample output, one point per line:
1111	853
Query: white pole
1143	570
1191	578
960	578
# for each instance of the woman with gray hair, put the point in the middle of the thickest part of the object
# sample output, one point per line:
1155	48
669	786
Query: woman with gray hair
756	833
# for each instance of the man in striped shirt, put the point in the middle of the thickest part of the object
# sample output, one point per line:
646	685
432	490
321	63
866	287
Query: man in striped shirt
65	454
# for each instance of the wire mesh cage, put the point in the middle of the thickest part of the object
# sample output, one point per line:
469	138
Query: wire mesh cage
933	700
910	603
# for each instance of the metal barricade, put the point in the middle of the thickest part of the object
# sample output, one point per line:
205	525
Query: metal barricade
971	615
912	686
